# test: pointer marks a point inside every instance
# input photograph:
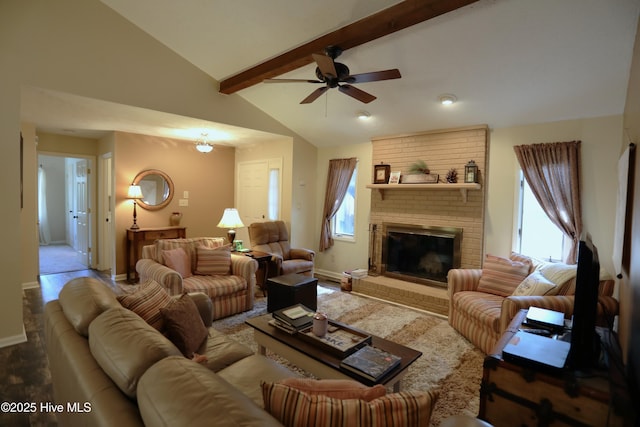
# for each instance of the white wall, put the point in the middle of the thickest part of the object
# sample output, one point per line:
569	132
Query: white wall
54	168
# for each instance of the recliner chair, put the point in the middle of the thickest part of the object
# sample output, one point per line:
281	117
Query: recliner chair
273	237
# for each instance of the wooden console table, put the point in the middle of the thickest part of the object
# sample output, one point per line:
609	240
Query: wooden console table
513	395
144	236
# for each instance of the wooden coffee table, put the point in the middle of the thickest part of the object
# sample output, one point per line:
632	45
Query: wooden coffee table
321	363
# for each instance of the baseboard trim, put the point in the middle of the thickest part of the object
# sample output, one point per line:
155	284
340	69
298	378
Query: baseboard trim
13	340
30	285
330	275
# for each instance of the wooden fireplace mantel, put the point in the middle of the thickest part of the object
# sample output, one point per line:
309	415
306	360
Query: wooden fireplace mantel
463	187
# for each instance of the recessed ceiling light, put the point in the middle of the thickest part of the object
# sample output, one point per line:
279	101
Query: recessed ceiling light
447	99
364	115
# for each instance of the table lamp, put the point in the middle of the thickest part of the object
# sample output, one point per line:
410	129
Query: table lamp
134	193
230	220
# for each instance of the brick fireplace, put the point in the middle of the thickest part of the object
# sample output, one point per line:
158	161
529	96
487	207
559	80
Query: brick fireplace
439	207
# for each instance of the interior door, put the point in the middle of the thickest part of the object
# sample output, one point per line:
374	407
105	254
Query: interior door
81	211
253	191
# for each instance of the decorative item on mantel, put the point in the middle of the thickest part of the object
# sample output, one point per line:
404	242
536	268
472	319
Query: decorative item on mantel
452	176
419	173
381	173
471	172
174	219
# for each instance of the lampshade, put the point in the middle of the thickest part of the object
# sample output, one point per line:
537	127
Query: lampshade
230	219
135	192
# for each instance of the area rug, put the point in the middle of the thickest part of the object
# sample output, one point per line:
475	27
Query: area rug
449	363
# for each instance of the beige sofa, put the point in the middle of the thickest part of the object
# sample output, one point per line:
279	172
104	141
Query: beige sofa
482	316
109	367
123	372
230	293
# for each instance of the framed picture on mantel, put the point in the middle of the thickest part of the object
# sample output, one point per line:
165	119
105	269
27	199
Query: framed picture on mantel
381	173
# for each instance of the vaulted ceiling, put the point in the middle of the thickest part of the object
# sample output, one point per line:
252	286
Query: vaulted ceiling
508	62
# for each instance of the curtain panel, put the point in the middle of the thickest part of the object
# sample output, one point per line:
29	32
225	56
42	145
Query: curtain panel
553	173
340	171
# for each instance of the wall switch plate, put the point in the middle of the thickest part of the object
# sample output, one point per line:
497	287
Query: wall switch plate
183	202
185	194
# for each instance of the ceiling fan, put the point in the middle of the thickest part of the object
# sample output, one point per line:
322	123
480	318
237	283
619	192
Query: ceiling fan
335	74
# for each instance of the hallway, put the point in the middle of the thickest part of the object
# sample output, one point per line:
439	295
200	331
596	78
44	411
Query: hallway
58	259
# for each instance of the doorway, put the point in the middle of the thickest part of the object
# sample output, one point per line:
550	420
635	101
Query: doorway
64	213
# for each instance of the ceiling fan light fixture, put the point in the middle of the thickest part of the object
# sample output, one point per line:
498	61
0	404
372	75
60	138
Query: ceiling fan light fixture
203	146
364	115
447	99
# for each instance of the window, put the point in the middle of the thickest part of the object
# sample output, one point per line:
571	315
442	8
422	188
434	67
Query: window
274	194
537	235
344	222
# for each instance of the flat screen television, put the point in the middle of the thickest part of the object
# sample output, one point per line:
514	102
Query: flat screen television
585	342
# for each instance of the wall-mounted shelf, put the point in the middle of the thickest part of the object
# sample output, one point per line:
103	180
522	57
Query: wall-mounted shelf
463	187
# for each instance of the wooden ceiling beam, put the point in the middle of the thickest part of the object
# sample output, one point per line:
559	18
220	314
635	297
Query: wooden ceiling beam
385	22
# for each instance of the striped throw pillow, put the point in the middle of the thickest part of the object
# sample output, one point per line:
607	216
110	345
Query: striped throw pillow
501	276
337	388
213	261
146	302
295	408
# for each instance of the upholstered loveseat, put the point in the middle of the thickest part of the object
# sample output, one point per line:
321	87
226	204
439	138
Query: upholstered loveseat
201	264
273	237
482	302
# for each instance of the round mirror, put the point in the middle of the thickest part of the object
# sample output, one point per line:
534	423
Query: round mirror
157	189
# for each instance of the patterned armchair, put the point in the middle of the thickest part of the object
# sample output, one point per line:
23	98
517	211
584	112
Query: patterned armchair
482	314
228	279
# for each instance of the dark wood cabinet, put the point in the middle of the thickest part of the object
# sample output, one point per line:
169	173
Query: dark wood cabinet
136	239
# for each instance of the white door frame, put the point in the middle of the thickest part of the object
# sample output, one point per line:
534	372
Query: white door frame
91	235
106	207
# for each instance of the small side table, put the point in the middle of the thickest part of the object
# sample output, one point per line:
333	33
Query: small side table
292	289
263	259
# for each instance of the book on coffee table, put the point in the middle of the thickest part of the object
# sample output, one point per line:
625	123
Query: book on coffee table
297	317
370	362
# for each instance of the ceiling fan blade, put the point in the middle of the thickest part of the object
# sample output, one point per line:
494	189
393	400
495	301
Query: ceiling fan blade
290	81
375	76
356	93
314	95
326	65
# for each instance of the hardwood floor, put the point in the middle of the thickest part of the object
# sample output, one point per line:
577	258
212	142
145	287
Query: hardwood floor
50	284
24	367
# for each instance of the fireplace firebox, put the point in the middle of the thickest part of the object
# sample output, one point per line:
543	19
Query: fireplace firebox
420	254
